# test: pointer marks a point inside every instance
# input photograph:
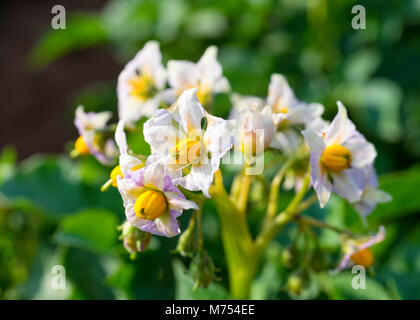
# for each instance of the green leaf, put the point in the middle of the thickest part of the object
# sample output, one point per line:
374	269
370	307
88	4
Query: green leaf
87	273
403	188
91	229
342	288
83	30
52	185
184	287
47	183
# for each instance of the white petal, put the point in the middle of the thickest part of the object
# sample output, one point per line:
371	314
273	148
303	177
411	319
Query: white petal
209	68
183	203
182	75
160	133
189	111
121	138
314	141
363	152
200	178
345	186
341	127
279	90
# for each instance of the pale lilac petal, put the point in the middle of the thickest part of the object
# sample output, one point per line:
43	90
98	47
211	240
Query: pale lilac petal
346	186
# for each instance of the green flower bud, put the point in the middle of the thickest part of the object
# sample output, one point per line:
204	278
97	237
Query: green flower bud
134	240
289	257
298	281
187	243
202	269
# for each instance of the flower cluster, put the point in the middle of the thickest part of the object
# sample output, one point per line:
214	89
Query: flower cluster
187	145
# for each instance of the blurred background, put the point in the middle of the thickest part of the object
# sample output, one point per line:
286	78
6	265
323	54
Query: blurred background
51	210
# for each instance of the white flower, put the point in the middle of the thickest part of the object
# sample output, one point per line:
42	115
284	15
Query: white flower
92	139
282	100
206	75
140	84
189	140
152	201
357	251
338	158
371	195
294	114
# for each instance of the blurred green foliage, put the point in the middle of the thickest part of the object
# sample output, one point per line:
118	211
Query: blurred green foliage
51	209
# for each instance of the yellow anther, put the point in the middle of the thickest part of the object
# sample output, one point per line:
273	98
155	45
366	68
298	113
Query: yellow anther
203	94
280	107
150	205
142	87
186	151
81	147
137	167
114	174
336	157
363	257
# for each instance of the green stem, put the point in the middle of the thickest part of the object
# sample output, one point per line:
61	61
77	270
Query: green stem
241	256
321	224
244	191
270	231
274	191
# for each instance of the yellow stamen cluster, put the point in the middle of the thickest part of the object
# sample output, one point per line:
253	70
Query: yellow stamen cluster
142	87
336	157
150	205
81	147
203	94
186	151
280	107
363	257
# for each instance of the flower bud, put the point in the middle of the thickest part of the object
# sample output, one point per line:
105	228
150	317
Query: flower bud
134	240
187	243
202	269
289	257
256	131
297	282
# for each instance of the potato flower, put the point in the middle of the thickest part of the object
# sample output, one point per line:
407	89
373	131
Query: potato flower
152	202
189	140
206	75
338	158
92	136
296	114
282	100
141	83
357	251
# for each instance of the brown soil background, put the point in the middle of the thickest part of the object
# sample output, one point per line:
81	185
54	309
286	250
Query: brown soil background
35	106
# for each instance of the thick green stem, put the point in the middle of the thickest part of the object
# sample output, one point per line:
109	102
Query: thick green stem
241	255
